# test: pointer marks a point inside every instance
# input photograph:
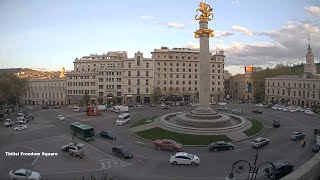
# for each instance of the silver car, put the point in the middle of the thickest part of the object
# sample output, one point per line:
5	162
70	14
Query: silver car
24	174
259	142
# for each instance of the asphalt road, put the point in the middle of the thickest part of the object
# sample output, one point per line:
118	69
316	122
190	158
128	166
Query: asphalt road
47	134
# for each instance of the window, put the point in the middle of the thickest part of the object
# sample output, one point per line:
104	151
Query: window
129	65
147	82
129	81
147	90
138	90
147	65
129	73
170	82
118	86
118	93
138	61
100	79
100	86
177	82
138	73
138	81
100	93
147	73
129	90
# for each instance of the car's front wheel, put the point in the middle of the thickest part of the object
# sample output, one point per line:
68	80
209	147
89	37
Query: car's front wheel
174	163
193	163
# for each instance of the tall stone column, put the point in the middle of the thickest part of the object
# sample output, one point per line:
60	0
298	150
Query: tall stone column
204	79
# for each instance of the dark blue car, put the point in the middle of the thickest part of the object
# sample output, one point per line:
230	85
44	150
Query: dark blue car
107	135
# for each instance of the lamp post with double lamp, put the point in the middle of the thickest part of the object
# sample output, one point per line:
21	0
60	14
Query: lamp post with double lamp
252	170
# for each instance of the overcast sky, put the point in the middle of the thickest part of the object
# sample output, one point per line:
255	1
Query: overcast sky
51	34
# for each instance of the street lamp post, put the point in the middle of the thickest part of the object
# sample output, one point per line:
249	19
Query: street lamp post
239	167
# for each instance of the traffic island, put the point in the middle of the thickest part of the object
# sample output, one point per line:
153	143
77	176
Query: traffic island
256	128
142	122
186	139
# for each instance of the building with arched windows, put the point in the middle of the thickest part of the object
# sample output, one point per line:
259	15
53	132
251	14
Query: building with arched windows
295	90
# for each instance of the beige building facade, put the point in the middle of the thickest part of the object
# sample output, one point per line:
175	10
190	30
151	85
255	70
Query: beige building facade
176	72
301	91
240	87
46	92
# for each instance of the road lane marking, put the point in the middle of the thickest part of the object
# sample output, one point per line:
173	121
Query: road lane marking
33	150
60	136
64	172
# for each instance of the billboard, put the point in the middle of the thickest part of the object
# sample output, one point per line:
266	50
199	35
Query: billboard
248	69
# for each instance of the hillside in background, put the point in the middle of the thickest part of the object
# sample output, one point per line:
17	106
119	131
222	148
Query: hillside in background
32	74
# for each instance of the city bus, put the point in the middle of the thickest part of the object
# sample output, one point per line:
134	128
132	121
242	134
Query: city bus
317	135
82	131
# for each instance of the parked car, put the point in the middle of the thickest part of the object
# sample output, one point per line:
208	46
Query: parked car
122	152
21	128
29	116
75	149
45	107
223	109
29	107
152	105
73	106
166	107
259	105
184	158
308	112
107	135
276	123
237	111
8	123
258	111
259	142
61	117
56	107
293	110
138	105
220	146
167	144
24	174
297	136
281	169
315	148
222	103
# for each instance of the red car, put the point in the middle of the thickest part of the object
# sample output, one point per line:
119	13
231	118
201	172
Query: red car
167	144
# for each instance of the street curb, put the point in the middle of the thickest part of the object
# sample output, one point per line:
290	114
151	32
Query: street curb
148	140
252	135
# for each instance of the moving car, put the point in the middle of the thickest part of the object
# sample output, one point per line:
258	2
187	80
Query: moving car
276	123
297	135
258	111
29	107
152	105
281	169
315	148
220	146
223	109
184	158
222	103
56	107
21	127
259	142
22	120
122	152
75	149
167	144
24	174
107	135
123	118
61	117
308	112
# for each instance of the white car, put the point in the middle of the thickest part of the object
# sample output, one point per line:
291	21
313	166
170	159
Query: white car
24	174
123	118
21	127
259	105
61	117
222	103
163	105
309	112
293	110
30	107
184	158
274	107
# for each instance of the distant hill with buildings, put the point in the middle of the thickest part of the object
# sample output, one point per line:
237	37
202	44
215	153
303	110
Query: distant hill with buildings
32	74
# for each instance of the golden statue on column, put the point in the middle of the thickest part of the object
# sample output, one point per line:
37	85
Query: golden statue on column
206	15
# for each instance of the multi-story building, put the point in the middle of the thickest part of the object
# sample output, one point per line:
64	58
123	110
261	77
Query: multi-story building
296	90
240	87
138	79
176	73
97	76
46	92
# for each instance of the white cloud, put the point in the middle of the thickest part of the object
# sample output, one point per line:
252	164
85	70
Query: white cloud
219	34
192	45
175	25
313	10
236	3
147	17
242	30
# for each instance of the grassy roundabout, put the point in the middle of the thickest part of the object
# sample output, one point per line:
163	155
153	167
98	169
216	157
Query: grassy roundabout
256	127
142	122
186	139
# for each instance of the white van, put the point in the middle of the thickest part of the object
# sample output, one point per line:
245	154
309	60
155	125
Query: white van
102	107
119	109
123	118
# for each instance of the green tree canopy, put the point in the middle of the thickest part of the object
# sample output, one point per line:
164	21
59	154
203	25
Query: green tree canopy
156	93
100	100
12	88
86	99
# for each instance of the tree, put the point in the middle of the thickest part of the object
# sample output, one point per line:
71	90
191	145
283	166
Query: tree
12	88
156	93
86	99
100	100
